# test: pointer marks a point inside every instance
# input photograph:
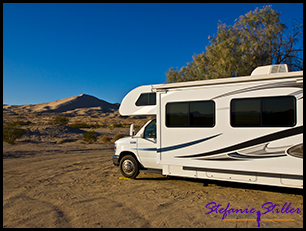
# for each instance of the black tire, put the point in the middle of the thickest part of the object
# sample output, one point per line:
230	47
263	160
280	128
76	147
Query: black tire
129	167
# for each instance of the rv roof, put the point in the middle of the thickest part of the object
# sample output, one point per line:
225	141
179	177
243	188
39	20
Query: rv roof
295	74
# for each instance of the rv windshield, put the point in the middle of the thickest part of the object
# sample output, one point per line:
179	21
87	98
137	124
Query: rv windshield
150	131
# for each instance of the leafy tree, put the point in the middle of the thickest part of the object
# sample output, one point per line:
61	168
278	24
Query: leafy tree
257	38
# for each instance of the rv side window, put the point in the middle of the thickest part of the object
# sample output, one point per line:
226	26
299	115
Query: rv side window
190	114
202	114
177	114
264	112
245	112
146	99
278	111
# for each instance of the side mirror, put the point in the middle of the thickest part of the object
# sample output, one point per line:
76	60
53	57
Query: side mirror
132	131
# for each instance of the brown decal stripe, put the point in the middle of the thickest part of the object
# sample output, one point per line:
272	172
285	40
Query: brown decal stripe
296	151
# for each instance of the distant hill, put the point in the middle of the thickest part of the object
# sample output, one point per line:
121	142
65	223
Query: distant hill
82	101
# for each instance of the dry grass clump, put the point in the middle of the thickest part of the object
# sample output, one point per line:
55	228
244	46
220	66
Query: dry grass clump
90	137
60	141
117	137
61	120
80	125
105	139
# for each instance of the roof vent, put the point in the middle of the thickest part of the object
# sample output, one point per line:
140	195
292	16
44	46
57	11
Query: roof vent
270	69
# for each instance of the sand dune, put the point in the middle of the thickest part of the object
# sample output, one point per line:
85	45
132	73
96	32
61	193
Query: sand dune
75	102
82	101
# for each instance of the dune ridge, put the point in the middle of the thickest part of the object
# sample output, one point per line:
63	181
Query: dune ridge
82	101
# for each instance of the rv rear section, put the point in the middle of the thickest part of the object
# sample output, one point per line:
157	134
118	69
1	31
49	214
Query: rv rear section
243	129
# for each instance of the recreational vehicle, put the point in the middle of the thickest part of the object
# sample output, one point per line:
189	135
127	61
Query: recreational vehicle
241	129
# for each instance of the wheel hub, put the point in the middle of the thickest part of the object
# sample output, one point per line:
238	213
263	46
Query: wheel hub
128	166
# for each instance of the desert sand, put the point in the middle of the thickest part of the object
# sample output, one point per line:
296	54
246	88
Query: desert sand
71	183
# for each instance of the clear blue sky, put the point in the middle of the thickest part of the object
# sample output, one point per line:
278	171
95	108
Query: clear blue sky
54	51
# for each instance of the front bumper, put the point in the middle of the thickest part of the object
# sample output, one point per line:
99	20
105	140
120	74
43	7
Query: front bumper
116	160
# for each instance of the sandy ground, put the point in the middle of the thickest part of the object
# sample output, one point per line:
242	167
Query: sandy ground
74	184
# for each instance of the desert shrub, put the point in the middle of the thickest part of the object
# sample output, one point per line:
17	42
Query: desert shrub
103	125
60	141
117	125
96	125
125	125
84	125
11	132
105	139
20	123
90	137
80	125
117	137
61	120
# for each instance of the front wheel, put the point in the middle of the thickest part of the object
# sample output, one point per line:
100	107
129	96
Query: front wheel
129	166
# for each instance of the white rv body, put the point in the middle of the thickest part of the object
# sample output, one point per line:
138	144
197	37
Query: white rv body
268	153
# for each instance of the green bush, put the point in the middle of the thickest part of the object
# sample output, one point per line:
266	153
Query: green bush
11	132
90	137
61	120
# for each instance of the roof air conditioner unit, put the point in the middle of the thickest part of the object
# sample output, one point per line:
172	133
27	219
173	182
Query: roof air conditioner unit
270	69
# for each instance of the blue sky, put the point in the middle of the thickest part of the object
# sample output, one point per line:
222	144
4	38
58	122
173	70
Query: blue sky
54	51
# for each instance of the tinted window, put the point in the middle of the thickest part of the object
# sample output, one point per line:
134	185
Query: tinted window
265	112
278	111
177	114
152	98
245	112
146	99
190	114
202	114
